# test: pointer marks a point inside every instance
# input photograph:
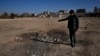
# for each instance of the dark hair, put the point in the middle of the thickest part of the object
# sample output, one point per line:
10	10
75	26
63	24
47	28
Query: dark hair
71	11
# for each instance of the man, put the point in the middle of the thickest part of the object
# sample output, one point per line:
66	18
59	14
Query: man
73	25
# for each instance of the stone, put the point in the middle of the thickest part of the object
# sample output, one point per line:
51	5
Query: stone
33	55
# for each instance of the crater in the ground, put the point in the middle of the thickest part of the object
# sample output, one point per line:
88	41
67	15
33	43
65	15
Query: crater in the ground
53	36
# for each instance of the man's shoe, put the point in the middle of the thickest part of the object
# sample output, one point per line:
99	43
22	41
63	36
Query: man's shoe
72	45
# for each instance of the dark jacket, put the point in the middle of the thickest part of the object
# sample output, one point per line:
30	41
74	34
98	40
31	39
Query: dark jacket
73	22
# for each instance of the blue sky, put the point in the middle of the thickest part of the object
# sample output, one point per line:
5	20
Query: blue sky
37	6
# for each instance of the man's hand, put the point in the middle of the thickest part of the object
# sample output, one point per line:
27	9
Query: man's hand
62	19
59	20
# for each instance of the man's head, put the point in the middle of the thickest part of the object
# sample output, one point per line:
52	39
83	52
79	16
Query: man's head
71	12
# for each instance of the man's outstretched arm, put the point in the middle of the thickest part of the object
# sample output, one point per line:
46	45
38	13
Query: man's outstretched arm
62	19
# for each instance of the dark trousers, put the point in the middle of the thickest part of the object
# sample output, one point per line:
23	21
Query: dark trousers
72	37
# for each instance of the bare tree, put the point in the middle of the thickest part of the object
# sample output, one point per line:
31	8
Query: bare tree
4	15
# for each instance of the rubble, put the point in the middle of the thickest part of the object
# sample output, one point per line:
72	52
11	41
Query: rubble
53	36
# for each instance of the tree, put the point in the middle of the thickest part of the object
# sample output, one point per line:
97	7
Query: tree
5	15
25	15
32	15
12	15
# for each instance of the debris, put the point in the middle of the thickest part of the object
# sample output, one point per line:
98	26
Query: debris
33	55
51	36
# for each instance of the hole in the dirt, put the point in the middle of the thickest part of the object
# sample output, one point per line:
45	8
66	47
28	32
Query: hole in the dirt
51	36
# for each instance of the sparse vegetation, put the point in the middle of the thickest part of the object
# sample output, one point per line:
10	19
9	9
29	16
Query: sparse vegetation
5	15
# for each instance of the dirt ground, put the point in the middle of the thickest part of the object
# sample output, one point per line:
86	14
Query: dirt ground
88	37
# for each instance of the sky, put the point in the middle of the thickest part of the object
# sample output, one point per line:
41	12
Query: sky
37	6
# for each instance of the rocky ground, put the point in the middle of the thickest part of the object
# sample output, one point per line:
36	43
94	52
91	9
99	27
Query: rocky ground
48	37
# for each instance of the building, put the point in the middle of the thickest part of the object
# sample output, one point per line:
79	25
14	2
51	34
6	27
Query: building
96	10
62	11
80	12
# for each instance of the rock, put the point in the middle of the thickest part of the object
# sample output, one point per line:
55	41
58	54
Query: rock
27	51
33	55
8	50
18	38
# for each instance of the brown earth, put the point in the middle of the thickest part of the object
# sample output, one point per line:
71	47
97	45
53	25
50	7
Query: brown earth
88	37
